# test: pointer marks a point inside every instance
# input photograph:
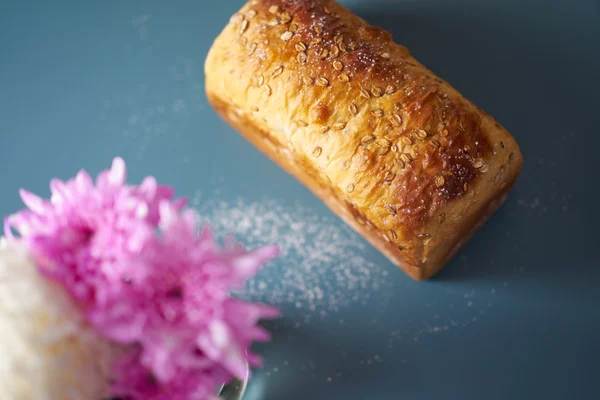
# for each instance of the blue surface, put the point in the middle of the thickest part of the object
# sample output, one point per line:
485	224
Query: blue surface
514	316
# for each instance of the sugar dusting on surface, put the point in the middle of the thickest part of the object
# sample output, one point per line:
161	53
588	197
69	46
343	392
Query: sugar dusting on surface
322	266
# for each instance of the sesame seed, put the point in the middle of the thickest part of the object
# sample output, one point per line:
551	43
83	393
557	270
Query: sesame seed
478	163
498	177
243	27
324	129
494	151
338	65
274	9
421	134
389	176
318	30
364	93
251	14
390	89
322	81
301	123
466	187
394	148
382	142
316	40
259	80
285	18
397	119
344	78
339	126
335	51
406	158
302	57
353	109
274	22
317	151
406	140
484	168
277	71
308	80
367	139
326	10
252	48
439	181
423	235
342	46
378	112
236	19
400	163
444	132
293	28
350	188
352	45
377	92
383	151
385	55
324	54
461	126
287	35
391	209
443	95
300	47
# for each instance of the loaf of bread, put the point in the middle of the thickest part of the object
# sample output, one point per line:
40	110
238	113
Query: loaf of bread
392	149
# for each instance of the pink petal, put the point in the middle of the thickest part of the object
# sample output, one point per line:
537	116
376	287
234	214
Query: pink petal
246	265
167	213
141	211
8	228
148	188
83	181
180	203
118	172
60	192
33	202
164	192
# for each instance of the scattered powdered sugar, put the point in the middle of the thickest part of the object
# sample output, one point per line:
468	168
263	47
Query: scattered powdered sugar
322	261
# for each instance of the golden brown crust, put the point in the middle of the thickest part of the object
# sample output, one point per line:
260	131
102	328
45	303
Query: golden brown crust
396	152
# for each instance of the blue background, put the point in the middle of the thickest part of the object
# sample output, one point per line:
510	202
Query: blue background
514	316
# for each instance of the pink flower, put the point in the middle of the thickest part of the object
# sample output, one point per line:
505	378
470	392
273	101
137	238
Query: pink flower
85	235
191	322
145	279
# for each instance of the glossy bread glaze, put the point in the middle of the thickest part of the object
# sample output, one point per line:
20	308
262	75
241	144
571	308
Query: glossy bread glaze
392	149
